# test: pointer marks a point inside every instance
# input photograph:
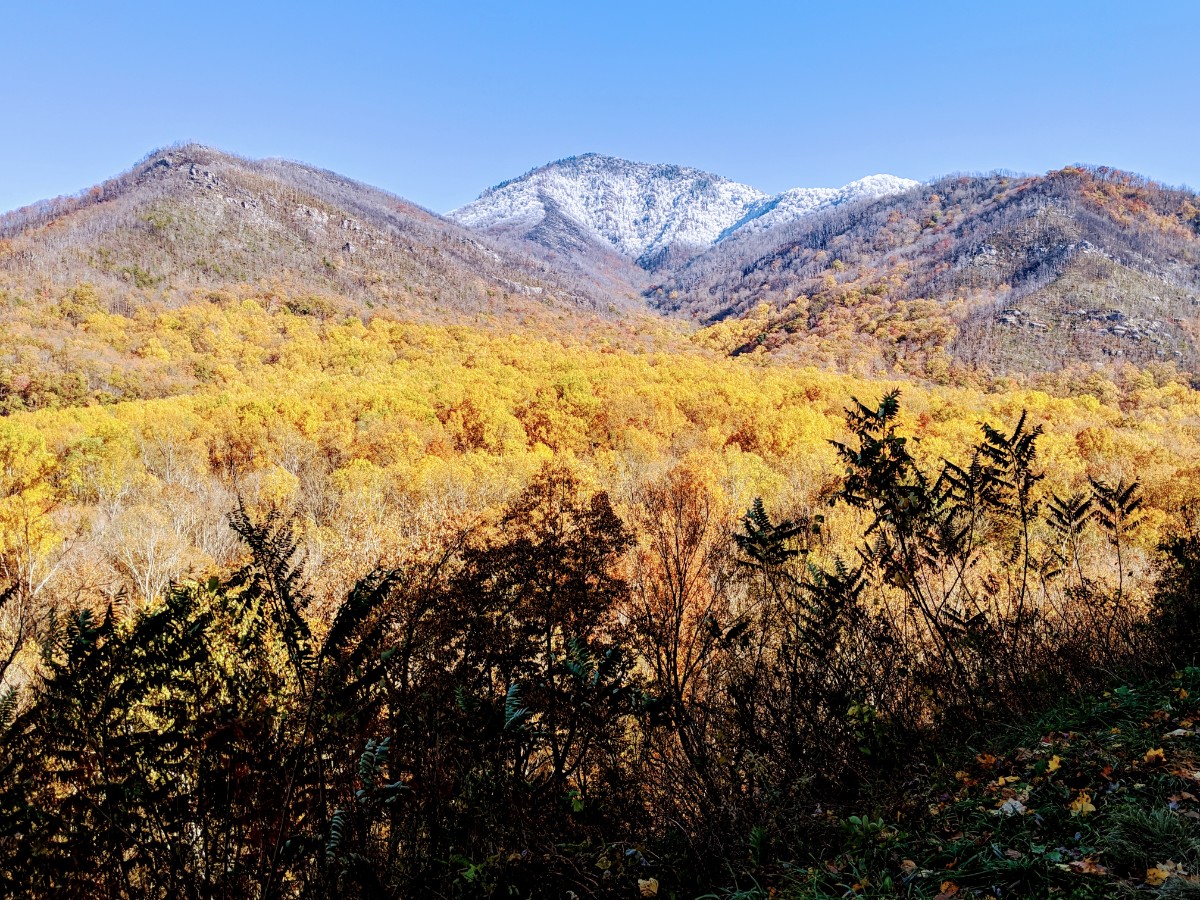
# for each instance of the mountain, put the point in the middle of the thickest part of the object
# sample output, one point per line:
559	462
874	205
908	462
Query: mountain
963	277
191	218
1078	268
656	215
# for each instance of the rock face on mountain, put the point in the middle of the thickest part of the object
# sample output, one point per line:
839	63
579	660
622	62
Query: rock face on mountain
656	215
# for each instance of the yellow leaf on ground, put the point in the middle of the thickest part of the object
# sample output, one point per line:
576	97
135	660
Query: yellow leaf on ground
1055	764
1156	876
1082	805
648	887
1154	756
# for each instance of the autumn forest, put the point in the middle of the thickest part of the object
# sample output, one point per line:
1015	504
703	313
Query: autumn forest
347	552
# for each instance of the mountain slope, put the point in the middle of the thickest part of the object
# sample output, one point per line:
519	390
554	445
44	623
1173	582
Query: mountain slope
657	215
192	218
999	274
797	203
126	290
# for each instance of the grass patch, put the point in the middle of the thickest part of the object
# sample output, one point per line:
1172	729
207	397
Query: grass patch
1096	798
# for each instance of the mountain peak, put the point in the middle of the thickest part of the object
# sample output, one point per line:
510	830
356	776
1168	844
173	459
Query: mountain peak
649	212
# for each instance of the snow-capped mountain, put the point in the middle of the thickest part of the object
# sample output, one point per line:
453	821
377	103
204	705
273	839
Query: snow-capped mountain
649	212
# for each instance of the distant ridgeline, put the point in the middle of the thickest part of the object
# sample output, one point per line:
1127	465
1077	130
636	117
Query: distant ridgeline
962	278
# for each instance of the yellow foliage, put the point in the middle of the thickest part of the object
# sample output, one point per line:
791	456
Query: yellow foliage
374	429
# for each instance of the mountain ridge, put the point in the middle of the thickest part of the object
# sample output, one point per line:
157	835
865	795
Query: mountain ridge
1089	268
961	277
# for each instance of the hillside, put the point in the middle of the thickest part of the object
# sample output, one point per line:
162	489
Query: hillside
493	618
191	218
964	278
94	288
1094	798
1000	274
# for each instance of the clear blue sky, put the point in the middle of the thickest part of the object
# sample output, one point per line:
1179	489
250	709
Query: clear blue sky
435	101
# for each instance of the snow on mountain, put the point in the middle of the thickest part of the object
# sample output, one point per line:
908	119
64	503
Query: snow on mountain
640	209
799	202
645	211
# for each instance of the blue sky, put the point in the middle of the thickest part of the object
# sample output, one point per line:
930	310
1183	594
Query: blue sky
437	101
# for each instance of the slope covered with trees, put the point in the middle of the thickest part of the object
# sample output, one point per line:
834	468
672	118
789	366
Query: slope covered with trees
559	698
992	275
191	219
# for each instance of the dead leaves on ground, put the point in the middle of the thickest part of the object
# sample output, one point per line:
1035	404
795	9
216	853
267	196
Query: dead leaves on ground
1048	801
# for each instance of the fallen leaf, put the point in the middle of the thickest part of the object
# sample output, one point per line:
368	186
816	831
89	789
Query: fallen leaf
1156	876
1087	867
1054	765
648	887
949	889
1164	870
986	760
1082	805
1155	756
908	866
